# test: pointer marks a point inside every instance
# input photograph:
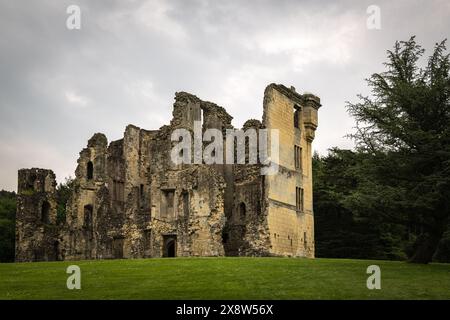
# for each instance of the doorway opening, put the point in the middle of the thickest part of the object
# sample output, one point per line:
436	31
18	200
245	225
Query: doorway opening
170	246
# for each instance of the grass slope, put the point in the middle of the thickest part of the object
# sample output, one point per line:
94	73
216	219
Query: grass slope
224	278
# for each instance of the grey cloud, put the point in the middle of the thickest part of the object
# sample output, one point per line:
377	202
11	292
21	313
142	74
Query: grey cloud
58	87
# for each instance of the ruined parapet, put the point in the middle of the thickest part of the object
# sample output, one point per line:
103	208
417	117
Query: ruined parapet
215	117
91	163
37	235
189	108
186	110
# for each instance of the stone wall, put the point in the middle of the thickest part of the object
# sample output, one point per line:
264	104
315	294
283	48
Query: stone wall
131	201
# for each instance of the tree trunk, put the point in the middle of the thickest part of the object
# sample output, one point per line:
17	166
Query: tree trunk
426	247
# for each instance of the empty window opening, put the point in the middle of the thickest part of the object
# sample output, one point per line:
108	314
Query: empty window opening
296	117
298	157
90	170
56	250
45	212
242	211
299	201
141	196
302	200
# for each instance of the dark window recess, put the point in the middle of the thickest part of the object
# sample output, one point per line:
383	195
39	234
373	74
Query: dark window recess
90	170
242	210
141	196
298	157
296	118
302	198
299	199
45	212
225	237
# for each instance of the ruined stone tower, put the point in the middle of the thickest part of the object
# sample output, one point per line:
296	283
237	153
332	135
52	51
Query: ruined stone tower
37	237
130	200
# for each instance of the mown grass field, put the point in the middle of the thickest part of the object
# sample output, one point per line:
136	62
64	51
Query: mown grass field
224	278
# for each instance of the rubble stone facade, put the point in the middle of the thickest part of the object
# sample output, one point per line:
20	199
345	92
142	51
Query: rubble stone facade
130	200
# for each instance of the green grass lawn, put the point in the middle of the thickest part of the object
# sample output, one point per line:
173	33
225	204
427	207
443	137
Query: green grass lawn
224	278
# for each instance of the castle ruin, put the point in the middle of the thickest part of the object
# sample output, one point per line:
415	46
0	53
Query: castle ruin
130	200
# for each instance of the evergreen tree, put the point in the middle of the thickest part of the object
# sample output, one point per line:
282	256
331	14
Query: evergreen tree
404	128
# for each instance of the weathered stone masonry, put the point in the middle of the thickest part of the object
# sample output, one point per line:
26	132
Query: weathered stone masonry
131	201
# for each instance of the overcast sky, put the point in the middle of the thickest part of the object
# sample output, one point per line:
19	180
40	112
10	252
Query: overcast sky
59	86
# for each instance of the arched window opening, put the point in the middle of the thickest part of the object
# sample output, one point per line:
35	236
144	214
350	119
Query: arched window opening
90	170
45	212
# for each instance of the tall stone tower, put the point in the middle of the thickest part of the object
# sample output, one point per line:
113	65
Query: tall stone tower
289	192
36	230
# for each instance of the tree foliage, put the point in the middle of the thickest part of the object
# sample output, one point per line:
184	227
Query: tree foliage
403	135
7	225
63	193
341	230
